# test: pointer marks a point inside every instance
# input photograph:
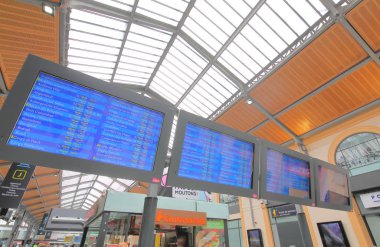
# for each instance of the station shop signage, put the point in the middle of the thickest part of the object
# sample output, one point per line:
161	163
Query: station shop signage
371	200
190	194
282	211
14	185
180	218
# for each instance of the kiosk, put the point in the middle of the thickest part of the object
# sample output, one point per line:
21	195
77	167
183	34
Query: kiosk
115	220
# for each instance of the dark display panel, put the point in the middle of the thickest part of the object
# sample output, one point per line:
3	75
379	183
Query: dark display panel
254	238
333	186
333	234
215	157
287	175
65	118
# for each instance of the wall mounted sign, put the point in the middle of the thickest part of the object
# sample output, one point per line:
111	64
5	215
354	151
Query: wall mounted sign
180	217
371	200
14	185
282	211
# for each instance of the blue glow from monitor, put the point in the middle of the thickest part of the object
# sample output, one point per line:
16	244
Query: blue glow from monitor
211	156
62	117
287	175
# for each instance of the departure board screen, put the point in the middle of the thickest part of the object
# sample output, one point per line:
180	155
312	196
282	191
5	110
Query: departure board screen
333	186
65	118
211	156
287	175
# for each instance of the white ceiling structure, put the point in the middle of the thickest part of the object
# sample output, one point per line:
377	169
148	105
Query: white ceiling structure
197	55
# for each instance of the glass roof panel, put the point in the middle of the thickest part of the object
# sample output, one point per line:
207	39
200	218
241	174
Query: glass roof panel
166	11
98	19
69	195
118	187
125	181
306	10
92	198
179	69
210	23
124	5
209	93
69	189
141	52
278	25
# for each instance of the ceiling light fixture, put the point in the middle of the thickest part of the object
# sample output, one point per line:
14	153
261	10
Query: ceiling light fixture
249	101
48	8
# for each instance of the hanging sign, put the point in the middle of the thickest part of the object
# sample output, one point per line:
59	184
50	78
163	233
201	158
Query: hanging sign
14	185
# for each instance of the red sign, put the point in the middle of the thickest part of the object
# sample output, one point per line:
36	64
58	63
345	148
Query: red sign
180	218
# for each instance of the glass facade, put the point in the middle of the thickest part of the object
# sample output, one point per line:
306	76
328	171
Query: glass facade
359	153
235	234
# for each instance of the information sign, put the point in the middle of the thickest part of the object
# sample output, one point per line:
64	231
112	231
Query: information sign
14	185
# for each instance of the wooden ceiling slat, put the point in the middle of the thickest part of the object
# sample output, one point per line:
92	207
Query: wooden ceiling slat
47	181
355	90
329	55
365	19
272	132
241	116
40	170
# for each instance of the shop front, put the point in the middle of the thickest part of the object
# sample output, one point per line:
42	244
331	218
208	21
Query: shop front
181	223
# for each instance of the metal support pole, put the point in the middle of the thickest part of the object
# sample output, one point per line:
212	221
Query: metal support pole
16	226
103	230
302	222
84	235
149	215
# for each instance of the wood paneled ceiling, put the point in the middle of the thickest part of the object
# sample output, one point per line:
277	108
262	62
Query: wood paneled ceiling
24	29
328	56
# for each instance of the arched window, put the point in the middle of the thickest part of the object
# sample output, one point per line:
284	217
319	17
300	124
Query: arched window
359	153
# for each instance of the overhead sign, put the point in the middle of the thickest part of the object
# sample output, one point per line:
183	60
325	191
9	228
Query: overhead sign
14	185
371	200
282	211
180	217
191	194
41	227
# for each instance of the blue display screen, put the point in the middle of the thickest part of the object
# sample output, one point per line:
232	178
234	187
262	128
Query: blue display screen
211	156
287	175
65	118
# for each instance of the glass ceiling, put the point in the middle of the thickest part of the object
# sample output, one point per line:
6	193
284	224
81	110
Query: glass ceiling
194	54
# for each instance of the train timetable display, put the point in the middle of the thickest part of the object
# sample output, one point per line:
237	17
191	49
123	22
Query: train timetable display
333	186
287	175
62	117
215	157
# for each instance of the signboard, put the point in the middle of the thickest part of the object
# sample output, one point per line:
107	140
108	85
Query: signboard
210	235
58	117
14	185
197	195
371	200
180	217
282	211
41	228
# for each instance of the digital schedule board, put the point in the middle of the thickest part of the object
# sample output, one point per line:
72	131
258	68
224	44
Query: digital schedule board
332	186
286	175
61	118
211	157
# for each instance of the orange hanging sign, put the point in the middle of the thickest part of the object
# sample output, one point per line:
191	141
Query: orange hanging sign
180	217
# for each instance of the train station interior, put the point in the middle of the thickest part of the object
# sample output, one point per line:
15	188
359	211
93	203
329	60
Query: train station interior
241	123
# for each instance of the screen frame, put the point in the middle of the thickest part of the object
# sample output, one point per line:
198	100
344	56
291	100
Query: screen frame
263	179
341	228
19	94
319	203
260	236
174	180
